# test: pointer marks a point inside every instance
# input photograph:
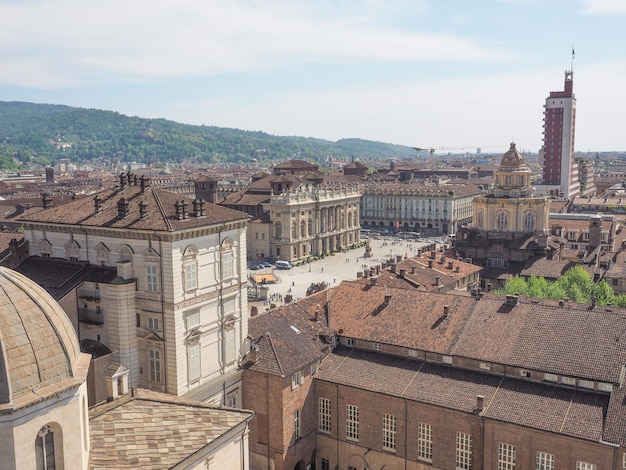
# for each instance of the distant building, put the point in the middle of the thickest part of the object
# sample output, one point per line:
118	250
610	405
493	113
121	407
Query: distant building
560	170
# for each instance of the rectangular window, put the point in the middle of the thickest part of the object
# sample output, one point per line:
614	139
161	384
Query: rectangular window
297	379
350	342
463	451
412	352
425	442
192	320
151	278
296	424
232	399
230	350
153	324
585	466
545	461
324	464
155	365
193	361
389	432
191	276
227	265
324	415
352	422
506	457
376	346
550	377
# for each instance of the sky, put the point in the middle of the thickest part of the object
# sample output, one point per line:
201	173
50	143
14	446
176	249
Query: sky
447	74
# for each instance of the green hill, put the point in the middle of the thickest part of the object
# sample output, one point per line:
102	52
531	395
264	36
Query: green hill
43	133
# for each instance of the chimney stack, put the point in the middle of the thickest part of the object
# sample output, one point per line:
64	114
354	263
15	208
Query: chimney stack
438	280
122	180
142	209
457	269
144	183
480	402
446	310
97	202
47	201
402	273
122	207
387	299
450	265
430	263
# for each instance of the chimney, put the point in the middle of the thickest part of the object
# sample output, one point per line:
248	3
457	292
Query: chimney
142	209
372	281
412	269
47	201
561	303
480	403
438	280
135	179
387	300
511	300
443	259
457	269
122	207
144	183
433	255
402	273
122	180
446	310
450	265
198	207
430	263
97	202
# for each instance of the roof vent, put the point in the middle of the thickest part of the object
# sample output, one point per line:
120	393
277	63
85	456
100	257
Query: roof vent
480	403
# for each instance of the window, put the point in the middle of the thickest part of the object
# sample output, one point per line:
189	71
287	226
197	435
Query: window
550	377
389	432
44	449
315	367
529	222
153	324
376	346
151	278
228	270
412	352
190	268
507	180
324	414
425	442
585	466
232	399
193	361
545	461
230	350
324	464
192	320
352	422
155	365
463	451
502	221
278	230
296	424
297	379
350	342
506	456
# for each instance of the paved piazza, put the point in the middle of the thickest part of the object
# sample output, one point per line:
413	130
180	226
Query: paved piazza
336	268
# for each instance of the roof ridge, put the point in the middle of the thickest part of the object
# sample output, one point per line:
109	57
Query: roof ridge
160	206
280	366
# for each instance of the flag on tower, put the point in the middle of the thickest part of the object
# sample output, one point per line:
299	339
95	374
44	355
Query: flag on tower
573	53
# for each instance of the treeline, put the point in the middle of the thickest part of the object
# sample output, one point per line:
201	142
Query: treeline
576	285
42	133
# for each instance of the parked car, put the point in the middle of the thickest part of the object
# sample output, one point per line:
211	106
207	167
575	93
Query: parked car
283	264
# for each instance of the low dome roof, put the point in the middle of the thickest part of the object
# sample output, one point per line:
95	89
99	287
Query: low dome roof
512	159
38	344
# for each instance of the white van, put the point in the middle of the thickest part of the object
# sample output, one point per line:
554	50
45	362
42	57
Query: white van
283	265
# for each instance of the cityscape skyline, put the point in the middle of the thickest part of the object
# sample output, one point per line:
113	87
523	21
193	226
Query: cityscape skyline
415	73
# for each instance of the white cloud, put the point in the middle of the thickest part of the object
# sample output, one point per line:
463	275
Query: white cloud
604	6
66	43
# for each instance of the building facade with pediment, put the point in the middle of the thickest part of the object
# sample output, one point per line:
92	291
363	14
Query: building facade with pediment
157	279
511	223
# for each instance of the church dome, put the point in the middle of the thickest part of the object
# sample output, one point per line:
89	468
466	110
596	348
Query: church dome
512	160
38	344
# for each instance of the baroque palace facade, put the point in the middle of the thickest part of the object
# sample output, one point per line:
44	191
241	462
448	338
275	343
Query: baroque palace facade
429	209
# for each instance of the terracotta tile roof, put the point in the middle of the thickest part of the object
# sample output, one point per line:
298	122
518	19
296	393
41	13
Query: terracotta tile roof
160	212
154	430
288	339
550	269
411	319
540	406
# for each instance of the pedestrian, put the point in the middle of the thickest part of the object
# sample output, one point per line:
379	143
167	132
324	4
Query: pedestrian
293	283
322	269
334	280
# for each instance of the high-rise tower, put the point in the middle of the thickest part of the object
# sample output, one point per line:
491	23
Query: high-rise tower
559	167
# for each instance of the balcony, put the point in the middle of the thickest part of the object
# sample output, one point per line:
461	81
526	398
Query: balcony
91	317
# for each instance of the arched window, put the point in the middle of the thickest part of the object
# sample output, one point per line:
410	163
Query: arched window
481	219
294	230
227	253
278	230
302	229
502	221
529	221
190	268
45	454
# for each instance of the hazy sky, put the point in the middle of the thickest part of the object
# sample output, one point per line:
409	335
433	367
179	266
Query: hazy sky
425	73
